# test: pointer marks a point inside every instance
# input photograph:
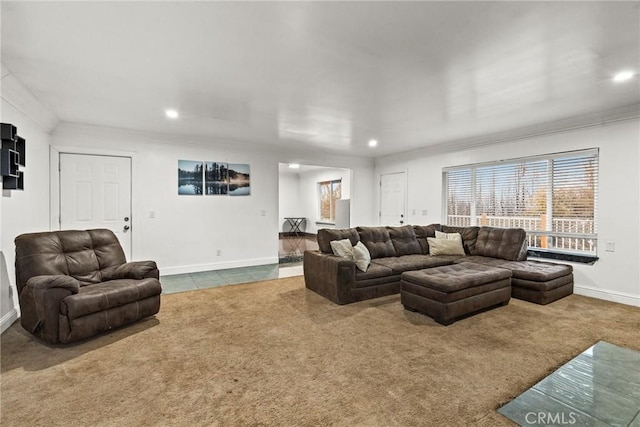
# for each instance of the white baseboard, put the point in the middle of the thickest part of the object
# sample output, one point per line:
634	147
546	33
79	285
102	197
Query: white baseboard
167	271
613	296
8	319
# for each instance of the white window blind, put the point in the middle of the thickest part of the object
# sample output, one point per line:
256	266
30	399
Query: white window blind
553	197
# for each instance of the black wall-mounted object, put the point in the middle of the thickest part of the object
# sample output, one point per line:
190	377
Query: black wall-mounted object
12	156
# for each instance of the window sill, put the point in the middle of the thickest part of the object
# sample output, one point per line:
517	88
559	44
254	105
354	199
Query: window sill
325	223
562	256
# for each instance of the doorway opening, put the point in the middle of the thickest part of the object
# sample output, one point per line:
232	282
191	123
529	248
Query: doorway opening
310	198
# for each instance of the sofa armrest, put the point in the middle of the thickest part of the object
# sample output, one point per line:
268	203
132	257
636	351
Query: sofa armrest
330	276
40	304
136	270
42	283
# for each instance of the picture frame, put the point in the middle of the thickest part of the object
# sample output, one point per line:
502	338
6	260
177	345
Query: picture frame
190	177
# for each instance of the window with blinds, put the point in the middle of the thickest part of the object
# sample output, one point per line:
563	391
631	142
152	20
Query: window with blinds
553	197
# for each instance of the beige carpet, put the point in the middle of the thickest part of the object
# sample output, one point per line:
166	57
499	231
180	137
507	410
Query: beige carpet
274	353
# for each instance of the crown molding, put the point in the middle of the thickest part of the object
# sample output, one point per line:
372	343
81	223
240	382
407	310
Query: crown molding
592	120
17	95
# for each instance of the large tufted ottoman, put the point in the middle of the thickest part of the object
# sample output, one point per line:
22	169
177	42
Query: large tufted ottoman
540	282
449	292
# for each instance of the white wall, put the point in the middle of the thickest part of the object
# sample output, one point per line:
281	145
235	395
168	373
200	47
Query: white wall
289	199
187	231
309	197
616	276
22	211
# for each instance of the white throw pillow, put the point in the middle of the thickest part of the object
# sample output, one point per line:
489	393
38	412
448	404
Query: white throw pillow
450	236
445	246
342	248
361	256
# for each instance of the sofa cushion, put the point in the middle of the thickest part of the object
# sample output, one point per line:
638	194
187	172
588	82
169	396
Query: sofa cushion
469	237
404	240
377	241
375	271
537	271
326	235
80	254
412	262
103	296
424	231
485	260
503	243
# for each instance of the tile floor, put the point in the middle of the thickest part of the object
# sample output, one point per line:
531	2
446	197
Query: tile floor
600	387
232	276
290	253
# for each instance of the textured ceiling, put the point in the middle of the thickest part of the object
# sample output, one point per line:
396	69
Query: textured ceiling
324	76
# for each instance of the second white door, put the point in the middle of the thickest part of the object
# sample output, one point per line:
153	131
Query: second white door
95	192
393	199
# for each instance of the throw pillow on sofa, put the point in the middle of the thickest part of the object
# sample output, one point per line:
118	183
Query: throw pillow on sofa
361	256
342	248
449	236
358	253
445	246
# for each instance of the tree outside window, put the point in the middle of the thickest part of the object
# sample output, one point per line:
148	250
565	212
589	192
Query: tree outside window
330	191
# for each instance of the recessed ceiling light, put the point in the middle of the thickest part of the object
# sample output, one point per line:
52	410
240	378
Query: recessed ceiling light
172	114
294	165
373	143
623	76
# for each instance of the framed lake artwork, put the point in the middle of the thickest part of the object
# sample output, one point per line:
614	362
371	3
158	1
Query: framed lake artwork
216	178
190	177
239	179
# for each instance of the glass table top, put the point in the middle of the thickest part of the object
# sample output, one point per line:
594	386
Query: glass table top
599	387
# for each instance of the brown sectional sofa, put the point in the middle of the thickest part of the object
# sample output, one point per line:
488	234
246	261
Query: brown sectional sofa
396	250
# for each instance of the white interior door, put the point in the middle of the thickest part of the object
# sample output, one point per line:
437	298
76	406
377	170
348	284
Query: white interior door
393	198
95	192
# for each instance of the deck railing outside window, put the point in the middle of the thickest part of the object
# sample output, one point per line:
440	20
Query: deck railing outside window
552	197
535	232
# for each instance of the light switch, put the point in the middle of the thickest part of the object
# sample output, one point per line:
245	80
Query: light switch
610	246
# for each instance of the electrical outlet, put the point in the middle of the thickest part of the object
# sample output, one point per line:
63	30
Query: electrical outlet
152	214
263	212
424	212
413	211
218	252
610	246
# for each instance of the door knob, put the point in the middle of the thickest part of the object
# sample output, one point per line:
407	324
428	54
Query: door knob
126	227
126	218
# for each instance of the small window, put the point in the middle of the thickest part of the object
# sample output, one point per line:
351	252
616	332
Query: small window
553	197
329	191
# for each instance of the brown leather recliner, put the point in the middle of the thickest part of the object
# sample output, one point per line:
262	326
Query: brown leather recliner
73	284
